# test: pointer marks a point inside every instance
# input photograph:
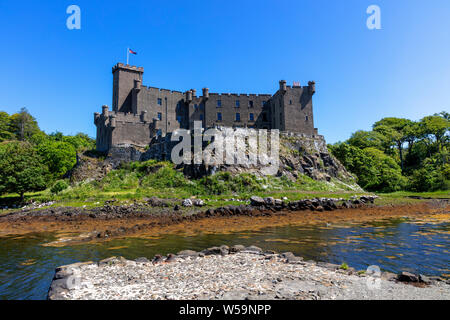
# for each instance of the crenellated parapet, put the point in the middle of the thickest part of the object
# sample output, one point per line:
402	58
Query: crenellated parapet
140	113
127	67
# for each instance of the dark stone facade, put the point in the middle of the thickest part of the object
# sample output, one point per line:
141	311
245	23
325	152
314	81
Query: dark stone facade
140	113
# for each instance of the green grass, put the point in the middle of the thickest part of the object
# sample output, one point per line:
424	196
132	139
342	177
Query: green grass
344	266
139	180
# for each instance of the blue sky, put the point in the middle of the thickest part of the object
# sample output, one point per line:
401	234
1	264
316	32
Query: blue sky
63	76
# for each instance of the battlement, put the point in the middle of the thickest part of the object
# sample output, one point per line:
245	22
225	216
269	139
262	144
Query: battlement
142	113
127	67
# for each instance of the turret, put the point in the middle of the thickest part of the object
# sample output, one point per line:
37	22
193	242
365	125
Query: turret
112	121
96	117
205	93
312	87
137	84
194	93
283	86
105	111
189	96
144	116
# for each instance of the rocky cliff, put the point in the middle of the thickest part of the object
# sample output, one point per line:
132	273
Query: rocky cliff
299	155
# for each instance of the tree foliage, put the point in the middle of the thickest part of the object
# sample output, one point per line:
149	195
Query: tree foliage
21	169
31	160
400	154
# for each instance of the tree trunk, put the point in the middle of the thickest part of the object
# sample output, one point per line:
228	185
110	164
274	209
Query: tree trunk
400	151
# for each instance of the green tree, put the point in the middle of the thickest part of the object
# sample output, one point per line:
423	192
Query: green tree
388	173
5	123
433	174
397	131
59	156
357	162
23	125
436	129
80	141
367	139
21	169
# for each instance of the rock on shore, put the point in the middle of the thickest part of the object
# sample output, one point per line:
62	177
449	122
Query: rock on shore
231	273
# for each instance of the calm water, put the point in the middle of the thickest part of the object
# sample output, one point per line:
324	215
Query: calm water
27	267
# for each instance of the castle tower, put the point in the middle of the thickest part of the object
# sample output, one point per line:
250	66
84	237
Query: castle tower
125	78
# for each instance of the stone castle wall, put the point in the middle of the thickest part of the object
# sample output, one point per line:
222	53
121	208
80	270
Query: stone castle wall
141	113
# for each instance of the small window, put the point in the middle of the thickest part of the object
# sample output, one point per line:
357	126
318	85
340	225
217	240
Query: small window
195	107
252	117
238	103
219	116
159	116
201	117
238	117
160	101
219	103
179	119
306	118
250	104
159	133
290	101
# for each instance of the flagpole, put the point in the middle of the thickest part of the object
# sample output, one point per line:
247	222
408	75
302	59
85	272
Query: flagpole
128	53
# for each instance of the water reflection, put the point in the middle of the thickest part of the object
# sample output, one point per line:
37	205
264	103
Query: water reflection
26	267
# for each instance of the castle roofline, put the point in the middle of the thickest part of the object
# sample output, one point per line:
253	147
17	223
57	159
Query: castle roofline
120	65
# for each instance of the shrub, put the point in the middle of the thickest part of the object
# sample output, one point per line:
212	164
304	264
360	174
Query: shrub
59	186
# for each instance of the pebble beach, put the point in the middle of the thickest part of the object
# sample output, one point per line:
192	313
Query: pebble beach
236	273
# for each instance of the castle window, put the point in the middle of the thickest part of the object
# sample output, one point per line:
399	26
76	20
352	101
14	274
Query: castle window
179	119
306	118
201	117
159	133
290	101
195	107
250	104
219	103
219	116
159	116
252	117
238	117
160	101
238	103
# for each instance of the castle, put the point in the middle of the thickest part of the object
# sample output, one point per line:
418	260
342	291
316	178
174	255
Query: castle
140	113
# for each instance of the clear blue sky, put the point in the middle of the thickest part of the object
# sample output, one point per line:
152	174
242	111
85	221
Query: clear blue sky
63	76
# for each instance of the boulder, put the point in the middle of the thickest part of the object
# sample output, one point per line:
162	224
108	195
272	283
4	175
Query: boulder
171	258
187	203
407	277
237	248
253	249
188	253
256	201
270	201
198	203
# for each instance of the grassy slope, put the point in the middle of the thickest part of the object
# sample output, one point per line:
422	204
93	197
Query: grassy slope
137	181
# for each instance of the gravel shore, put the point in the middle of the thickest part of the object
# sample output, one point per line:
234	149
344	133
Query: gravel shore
237	273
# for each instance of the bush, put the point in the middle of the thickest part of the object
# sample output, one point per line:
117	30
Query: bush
59	186
21	169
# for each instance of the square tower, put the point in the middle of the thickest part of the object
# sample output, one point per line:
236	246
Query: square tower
125	78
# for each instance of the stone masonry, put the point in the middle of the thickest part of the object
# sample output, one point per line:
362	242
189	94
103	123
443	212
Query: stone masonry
142	114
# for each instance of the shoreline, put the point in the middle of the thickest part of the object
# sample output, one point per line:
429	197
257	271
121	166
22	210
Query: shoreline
235	273
75	225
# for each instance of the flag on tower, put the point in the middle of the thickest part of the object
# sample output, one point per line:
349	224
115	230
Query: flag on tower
132	52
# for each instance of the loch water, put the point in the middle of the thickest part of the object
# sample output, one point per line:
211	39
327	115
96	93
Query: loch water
27	267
